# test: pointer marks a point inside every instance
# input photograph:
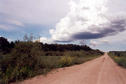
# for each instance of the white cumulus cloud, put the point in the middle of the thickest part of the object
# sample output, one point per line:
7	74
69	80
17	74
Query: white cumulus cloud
88	19
46	40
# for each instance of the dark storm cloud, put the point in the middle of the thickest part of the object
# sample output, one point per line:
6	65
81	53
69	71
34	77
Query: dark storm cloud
113	28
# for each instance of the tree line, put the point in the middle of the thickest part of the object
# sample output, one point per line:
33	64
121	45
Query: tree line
6	46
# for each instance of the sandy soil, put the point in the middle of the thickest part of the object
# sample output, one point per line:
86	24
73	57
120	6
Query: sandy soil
98	71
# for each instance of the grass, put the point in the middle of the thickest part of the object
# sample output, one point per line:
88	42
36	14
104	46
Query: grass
119	57
27	60
43	65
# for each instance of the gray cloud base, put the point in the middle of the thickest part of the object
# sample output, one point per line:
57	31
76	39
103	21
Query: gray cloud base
110	29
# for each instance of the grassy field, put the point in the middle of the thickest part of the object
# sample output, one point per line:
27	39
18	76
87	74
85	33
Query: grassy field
119	57
27	68
28	59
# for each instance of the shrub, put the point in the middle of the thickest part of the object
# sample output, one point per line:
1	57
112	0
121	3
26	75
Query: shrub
122	62
66	61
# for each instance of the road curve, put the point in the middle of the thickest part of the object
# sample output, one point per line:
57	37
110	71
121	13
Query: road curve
102	70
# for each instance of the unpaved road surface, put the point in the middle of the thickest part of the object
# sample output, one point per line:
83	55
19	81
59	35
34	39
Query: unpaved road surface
98	71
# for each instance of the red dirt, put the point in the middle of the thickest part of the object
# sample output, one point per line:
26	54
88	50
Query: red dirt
102	70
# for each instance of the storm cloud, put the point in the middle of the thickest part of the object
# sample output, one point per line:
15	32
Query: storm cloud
88	19
115	27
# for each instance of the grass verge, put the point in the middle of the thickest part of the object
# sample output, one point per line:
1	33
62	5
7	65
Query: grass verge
119	57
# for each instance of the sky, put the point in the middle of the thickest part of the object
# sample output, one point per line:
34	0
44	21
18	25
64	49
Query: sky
101	24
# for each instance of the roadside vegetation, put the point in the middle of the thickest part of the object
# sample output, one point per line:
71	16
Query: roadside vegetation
21	60
119	57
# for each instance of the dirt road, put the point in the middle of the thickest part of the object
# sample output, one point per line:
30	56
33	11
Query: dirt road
99	71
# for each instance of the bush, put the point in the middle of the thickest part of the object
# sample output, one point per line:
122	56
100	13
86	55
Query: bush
122	62
21	62
66	61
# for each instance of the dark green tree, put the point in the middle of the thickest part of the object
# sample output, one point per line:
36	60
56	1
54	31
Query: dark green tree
4	45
